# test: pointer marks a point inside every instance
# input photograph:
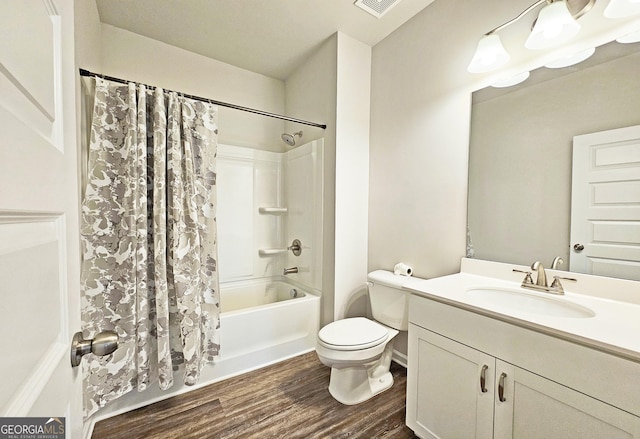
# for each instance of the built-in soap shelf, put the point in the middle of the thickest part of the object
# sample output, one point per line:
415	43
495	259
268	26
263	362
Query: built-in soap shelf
272	211
295	247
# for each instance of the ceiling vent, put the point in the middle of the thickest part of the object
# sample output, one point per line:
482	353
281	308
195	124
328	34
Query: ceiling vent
377	8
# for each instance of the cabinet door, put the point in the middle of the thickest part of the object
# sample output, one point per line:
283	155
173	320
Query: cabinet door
537	408
444	395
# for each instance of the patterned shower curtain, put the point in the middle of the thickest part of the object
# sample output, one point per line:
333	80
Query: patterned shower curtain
148	234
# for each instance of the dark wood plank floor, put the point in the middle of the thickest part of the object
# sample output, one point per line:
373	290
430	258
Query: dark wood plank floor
286	400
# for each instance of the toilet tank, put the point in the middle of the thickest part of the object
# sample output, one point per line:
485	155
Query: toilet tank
389	302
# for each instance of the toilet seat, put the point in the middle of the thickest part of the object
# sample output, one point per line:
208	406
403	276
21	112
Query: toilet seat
352	334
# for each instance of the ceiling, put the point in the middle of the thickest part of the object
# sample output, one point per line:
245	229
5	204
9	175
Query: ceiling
270	37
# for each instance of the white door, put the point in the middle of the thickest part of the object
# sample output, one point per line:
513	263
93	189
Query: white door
39	250
605	203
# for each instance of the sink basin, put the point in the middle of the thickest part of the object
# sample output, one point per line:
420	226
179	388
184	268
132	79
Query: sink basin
521	300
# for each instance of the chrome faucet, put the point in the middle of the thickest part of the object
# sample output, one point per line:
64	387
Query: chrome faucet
541	279
557	261
292	270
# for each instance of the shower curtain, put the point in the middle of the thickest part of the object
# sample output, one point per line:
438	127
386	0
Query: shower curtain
148	234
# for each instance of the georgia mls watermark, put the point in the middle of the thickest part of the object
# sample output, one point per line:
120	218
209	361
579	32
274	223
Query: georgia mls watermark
32	428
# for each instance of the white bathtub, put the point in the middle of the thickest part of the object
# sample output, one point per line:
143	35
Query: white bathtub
265	322
259	325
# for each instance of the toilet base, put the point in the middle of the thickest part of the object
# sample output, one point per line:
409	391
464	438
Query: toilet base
357	383
353	385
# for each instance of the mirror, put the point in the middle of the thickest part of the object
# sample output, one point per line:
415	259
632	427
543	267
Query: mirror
520	152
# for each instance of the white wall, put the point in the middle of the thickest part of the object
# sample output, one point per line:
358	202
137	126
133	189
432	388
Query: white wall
352	175
88	36
311	95
419	137
134	57
333	87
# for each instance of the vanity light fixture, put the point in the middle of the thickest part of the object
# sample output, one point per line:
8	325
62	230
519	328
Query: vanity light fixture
571	60
511	81
633	37
490	55
554	26
556	23
622	8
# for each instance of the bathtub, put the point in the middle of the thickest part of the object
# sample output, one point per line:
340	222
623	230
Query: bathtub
261	323
264	322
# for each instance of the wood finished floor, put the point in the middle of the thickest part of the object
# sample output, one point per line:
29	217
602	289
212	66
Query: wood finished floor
286	400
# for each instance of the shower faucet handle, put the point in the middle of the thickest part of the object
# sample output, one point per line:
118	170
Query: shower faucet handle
295	247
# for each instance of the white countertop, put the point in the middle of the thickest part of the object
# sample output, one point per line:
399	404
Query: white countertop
614	329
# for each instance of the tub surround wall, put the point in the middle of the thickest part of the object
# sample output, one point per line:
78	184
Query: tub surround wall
251	179
255	182
303	221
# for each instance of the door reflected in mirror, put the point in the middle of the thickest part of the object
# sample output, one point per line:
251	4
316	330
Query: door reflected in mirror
520	154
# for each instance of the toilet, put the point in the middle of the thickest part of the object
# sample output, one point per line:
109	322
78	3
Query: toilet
358	350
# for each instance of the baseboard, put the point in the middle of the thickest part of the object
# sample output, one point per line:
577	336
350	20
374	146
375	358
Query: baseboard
87	428
399	358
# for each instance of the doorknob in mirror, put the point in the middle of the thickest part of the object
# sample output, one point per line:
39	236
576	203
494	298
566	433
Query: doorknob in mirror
104	343
578	247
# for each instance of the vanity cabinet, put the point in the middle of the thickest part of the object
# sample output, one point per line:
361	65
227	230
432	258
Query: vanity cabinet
457	391
444	399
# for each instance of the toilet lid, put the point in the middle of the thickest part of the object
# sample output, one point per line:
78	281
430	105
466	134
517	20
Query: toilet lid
353	333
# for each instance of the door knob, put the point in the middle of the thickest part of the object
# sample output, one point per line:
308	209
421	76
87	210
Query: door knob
578	247
104	343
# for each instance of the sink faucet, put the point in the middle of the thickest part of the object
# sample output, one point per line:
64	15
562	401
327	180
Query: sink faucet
541	280
557	261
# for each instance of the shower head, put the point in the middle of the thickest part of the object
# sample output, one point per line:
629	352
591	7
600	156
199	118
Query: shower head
290	139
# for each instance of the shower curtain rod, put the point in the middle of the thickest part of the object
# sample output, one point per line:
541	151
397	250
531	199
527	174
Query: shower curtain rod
84	72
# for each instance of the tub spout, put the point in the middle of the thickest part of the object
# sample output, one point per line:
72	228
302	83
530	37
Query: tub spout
291	270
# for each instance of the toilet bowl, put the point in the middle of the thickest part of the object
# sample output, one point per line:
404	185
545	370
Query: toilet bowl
359	358
358	349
